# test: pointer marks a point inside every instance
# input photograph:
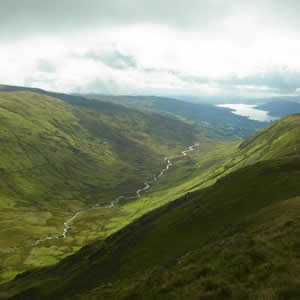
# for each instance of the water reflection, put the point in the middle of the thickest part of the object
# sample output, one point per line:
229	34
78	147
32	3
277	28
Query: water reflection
249	111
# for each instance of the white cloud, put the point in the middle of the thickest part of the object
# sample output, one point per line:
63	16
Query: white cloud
241	51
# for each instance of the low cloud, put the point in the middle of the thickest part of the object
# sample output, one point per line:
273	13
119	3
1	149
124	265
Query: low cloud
19	19
114	59
282	81
285	81
45	66
33	17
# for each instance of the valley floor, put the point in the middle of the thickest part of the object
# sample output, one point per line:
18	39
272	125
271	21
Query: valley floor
95	224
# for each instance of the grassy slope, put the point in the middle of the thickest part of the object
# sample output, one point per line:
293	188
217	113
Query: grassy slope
237	239
60	155
228	124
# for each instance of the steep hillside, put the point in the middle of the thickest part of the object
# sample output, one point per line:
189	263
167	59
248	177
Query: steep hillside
63	154
228	124
236	239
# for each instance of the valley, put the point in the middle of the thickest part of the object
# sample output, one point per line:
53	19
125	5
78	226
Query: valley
218	242
136	195
51	155
96	184
63	157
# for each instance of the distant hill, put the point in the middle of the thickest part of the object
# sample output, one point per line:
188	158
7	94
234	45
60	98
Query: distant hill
207	115
228	124
236	239
235	100
280	108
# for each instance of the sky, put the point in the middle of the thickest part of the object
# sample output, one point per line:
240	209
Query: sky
167	47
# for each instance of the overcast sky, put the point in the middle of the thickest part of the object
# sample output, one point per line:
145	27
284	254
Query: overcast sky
163	47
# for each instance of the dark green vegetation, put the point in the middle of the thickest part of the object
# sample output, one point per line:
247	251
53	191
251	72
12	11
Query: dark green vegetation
280	108
228	124
60	154
236	239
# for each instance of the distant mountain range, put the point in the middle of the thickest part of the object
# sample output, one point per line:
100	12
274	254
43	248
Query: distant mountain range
280	108
227	124
235	100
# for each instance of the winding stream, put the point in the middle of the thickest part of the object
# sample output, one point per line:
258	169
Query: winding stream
67	223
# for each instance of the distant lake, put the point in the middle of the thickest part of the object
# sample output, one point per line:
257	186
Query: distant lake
249	111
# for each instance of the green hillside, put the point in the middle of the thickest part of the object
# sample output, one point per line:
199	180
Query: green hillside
62	154
235	239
